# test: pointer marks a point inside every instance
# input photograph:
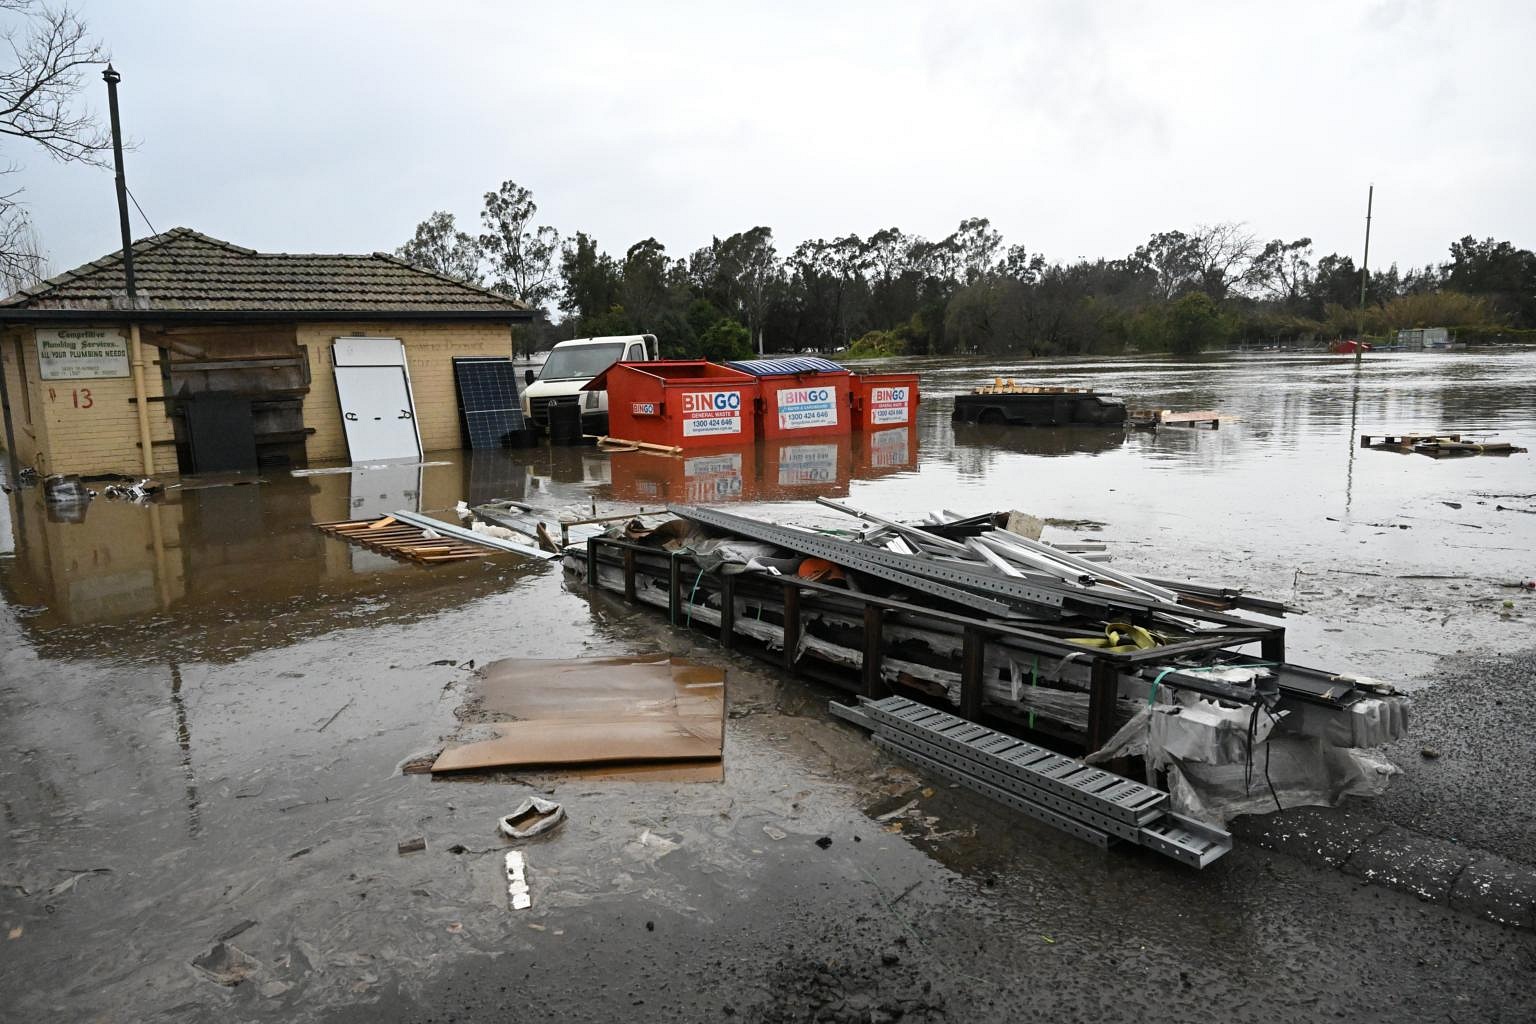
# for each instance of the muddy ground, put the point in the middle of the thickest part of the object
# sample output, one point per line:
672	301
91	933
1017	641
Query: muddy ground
206	704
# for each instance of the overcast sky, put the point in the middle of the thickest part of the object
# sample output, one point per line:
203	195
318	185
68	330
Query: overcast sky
1079	128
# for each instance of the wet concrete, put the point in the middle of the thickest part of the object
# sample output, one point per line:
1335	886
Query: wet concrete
205	704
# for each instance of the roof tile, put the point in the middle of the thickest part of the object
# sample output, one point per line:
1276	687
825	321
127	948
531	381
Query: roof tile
182	269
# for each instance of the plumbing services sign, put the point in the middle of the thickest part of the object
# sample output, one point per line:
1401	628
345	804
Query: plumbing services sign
807	407
706	413
82	353
888	405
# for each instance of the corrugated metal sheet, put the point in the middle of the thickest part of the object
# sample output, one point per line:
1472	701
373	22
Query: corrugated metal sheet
792	364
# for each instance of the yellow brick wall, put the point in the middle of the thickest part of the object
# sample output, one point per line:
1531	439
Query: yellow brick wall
429	352
91	427
13	351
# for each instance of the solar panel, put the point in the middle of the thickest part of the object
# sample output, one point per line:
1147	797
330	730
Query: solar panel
488	404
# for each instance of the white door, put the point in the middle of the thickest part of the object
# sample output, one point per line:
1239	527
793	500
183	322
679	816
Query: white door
377	412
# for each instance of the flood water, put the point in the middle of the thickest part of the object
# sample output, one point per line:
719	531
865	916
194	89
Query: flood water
204	703
1398	557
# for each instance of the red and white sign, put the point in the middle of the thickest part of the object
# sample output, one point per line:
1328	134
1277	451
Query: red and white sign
707	413
642	408
888	405
807	407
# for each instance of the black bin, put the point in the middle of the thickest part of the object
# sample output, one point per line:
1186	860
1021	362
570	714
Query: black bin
565	423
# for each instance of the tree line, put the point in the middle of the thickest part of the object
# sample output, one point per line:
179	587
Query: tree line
969	292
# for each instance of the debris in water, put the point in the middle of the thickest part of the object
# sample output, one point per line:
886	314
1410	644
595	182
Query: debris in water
533	816
414	845
228	965
517	884
236	929
69	883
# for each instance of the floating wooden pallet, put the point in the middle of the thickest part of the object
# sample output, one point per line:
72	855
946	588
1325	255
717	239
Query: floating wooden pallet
400	540
1446	446
1402	440
1169	418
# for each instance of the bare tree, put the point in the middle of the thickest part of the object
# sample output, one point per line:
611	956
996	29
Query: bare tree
22	260
1224	256
51	52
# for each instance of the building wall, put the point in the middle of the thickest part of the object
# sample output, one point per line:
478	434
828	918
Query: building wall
24	426
429	352
88	427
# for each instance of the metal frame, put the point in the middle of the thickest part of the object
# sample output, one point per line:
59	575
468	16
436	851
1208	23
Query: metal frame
1108	671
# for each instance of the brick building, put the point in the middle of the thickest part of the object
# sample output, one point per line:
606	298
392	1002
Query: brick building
225	328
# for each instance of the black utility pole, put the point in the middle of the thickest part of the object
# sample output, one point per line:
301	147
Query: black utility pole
1365	262
135	347
111	77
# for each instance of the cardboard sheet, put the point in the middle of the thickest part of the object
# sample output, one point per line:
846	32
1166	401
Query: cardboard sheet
656	713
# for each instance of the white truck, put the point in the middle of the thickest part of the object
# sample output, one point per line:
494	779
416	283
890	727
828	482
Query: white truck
569	366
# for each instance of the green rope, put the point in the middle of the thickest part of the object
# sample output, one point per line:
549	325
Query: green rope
1152	694
692	595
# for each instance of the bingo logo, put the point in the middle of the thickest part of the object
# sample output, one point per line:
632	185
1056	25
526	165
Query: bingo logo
718	403
889	396
805	396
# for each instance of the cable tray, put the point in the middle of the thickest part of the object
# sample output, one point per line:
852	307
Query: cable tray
1053	786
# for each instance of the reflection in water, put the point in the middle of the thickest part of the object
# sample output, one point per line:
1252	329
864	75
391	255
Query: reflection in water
215	572
184	742
1354	432
1039	440
774	470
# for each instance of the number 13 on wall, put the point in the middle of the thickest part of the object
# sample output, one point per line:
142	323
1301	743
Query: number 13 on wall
80	398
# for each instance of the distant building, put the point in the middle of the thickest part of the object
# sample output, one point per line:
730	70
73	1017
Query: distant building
1424	338
249	335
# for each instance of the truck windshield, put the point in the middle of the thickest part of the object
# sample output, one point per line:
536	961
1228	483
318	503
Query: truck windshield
580	362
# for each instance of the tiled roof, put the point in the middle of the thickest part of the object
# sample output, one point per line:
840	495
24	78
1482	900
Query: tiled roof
182	269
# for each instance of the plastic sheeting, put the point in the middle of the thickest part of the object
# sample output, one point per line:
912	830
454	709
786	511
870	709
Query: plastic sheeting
1215	772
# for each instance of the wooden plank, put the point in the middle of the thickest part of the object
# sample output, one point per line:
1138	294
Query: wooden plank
666	449
559	742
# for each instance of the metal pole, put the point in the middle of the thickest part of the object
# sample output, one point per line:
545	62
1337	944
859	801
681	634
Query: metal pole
111	77
135	344
1365	262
